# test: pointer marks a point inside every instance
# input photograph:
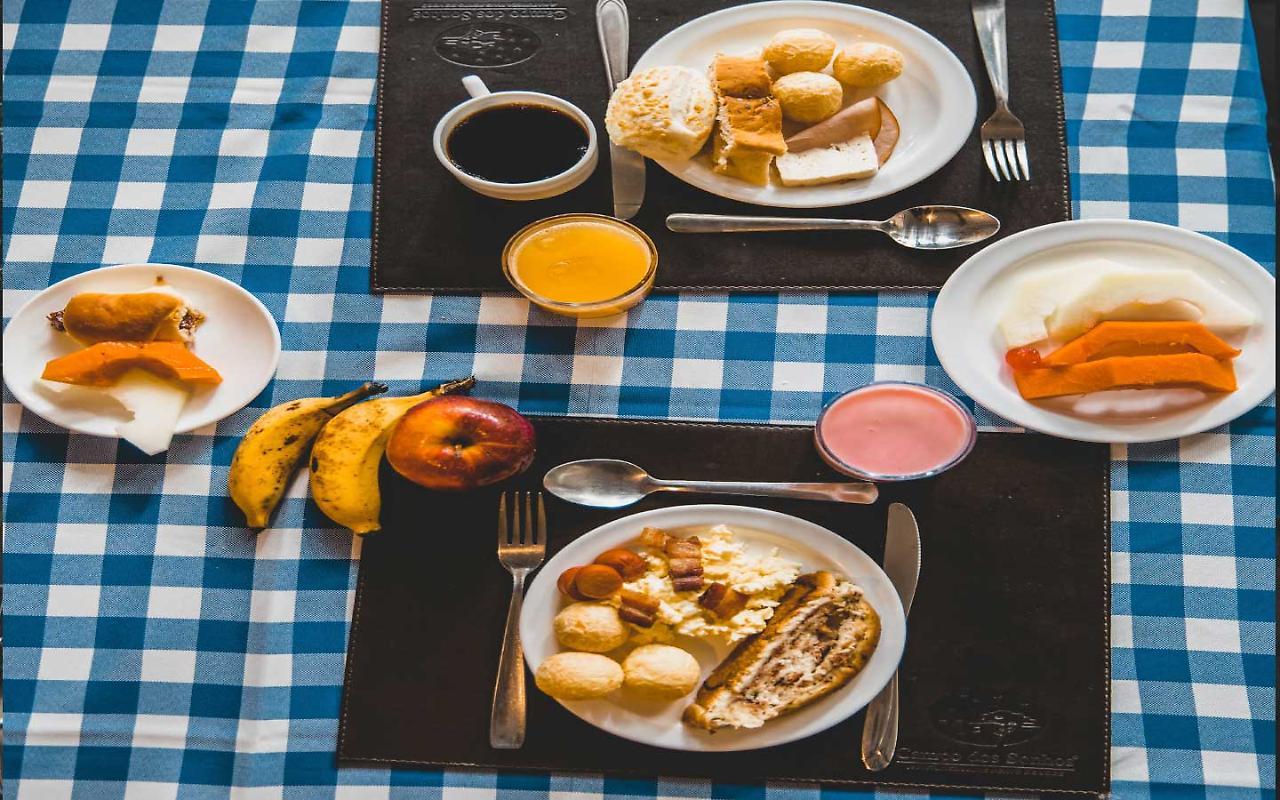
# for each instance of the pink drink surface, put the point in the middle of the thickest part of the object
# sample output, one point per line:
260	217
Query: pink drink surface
894	430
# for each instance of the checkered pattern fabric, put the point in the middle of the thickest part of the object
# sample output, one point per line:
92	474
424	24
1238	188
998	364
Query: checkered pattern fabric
154	649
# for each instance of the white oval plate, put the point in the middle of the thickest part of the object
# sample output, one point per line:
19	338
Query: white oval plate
239	338
934	98
971	348
659	724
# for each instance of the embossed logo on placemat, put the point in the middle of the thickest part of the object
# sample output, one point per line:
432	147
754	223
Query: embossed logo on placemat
486	35
988	728
486	44
986	718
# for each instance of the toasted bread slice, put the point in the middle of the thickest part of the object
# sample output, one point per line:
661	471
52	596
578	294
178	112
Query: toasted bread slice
752	124
740	76
822	634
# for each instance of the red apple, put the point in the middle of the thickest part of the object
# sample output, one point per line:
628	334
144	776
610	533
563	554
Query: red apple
455	443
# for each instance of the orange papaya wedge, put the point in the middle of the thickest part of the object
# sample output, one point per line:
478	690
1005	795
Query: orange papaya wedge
1194	370
1120	338
103	363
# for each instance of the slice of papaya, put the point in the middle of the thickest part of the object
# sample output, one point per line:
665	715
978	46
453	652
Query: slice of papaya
1194	370
102	364
1121	338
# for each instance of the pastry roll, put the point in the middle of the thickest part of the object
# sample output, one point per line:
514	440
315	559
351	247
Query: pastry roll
151	316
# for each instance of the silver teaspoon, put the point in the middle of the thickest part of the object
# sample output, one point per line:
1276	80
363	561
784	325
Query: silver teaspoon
922	227
610	483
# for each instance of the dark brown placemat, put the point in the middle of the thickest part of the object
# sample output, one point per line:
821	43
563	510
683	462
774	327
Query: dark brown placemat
432	234
1005	677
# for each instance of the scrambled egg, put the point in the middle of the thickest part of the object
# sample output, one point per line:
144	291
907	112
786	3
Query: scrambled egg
764	576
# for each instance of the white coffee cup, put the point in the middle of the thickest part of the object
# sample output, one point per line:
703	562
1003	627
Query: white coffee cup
482	98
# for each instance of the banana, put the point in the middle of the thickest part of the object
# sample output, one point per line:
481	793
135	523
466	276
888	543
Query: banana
346	455
275	447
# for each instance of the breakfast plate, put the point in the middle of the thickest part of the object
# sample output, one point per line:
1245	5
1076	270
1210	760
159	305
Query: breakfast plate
659	723
934	98
238	337
974	303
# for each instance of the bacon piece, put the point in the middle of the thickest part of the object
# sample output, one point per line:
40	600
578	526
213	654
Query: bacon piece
713	595
723	601
639	601
690	583
684	548
684	567
636	617
653	537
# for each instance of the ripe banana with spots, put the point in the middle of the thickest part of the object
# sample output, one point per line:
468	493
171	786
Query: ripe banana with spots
346	455
276	446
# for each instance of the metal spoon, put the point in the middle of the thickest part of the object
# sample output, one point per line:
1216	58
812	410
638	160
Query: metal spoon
922	227
610	483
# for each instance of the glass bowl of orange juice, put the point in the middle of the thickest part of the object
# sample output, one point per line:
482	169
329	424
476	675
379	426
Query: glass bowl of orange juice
581	265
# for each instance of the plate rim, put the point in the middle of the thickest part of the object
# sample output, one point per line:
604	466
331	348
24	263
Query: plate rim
676	169
1235	264
13	382
893	617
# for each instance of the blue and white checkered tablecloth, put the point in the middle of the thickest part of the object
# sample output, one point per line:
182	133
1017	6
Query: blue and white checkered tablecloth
155	649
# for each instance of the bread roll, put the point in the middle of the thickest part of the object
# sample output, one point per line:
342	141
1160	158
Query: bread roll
799	50
867	64
578	676
660	672
152	316
590	627
808	97
664	113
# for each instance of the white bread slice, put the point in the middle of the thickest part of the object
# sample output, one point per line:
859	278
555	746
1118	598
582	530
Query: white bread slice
843	161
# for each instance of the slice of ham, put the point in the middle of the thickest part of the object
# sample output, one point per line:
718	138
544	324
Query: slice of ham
887	138
870	117
863	117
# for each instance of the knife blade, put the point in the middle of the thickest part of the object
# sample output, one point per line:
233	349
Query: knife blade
902	565
627	166
902	553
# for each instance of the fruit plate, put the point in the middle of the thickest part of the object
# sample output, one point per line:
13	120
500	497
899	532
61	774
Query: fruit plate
933	99
659	724
239	338
969	345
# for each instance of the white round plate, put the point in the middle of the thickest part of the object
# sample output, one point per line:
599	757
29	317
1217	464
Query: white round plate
971	348
659	724
933	99
238	338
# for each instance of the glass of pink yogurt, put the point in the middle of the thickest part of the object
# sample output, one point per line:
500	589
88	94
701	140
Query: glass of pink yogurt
894	431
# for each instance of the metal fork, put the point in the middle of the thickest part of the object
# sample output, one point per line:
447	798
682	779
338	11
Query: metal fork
522	544
1004	140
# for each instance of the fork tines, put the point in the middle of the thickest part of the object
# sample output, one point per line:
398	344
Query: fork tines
521	526
1004	146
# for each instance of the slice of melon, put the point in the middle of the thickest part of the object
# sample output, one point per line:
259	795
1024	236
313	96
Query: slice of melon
156	405
1180	369
104	363
1148	295
144	409
1122	338
1038	295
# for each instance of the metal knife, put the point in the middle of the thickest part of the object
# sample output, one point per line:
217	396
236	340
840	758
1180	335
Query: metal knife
902	565
628	166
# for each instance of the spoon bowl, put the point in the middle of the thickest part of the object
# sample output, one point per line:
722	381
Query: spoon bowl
940	227
598	482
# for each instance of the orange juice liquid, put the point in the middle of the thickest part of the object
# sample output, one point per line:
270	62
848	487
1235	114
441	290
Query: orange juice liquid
582	261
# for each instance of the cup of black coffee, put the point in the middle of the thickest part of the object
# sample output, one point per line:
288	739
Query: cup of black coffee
516	145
